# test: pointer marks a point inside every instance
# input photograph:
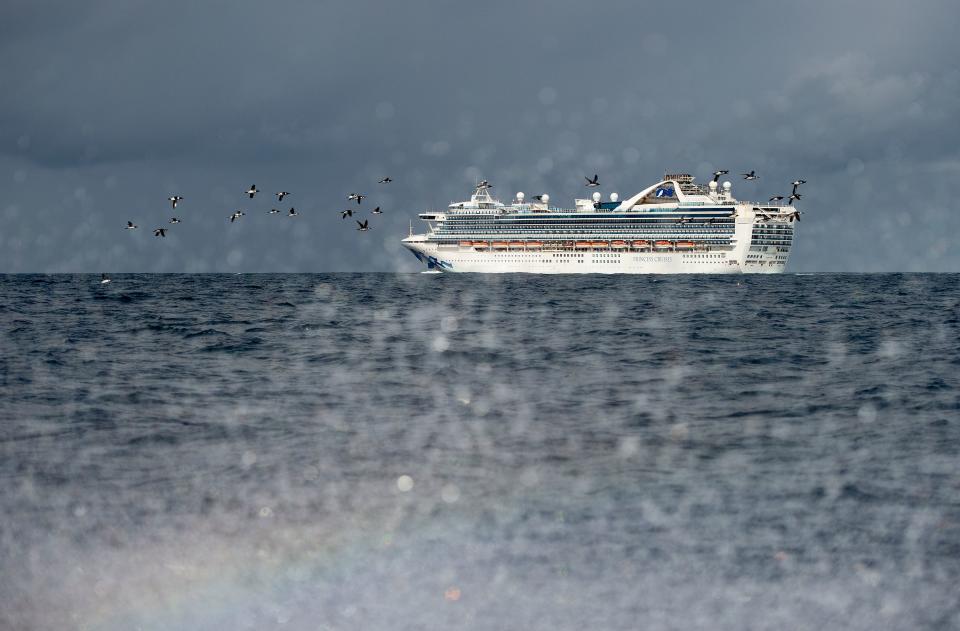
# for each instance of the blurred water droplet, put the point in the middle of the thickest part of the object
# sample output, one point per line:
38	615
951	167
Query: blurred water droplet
405	483
450	493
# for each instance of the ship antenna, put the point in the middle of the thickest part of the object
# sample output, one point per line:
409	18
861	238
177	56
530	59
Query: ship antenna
410	234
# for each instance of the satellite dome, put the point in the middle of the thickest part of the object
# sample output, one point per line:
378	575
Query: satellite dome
727	185
614	197
712	185
596	197
520	196
545	198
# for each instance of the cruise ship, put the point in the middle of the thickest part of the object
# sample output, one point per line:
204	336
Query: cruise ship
675	226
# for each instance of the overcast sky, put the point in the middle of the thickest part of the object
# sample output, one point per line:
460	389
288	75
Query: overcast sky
108	108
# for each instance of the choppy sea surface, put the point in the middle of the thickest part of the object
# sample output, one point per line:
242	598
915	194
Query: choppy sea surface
479	452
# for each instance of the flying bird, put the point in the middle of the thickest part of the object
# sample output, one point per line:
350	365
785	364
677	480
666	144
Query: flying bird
776	198
131	225
717	174
798	182
236	215
356	196
376	211
385	180
292	212
752	175
253	190
104	279
174	200
281	195
594	182
363	227
272	211
174	220
794	216
346	213
539	198
794	196
484	184
160	232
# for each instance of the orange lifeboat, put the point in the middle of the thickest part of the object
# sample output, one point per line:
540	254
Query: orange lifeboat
600	244
685	244
584	244
534	245
466	244
481	244
641	244
516	244
500	245
662	244
618	244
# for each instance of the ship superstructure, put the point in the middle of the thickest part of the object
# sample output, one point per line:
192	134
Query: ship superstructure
675	226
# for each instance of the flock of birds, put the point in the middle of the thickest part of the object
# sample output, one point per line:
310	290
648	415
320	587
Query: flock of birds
251	192
794	195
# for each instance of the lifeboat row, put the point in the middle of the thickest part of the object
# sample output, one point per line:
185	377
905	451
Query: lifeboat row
616	245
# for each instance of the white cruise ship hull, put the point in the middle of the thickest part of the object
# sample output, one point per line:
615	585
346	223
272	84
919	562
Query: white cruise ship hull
468	260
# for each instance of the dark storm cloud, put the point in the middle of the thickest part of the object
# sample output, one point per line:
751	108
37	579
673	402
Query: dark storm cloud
114	106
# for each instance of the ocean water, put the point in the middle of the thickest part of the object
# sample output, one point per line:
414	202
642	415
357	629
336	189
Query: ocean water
479	452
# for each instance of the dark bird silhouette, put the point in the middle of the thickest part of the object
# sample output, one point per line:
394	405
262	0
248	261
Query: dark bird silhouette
363	227
539	198
131	225
794	196
794	216
236	215
159	232
253	190
292	212
272	211
376	211
174	220
346	213
385	180
281	195
356	196
752	175
104	279
717	174
798	182
484	184
776	198
174	200
594	182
